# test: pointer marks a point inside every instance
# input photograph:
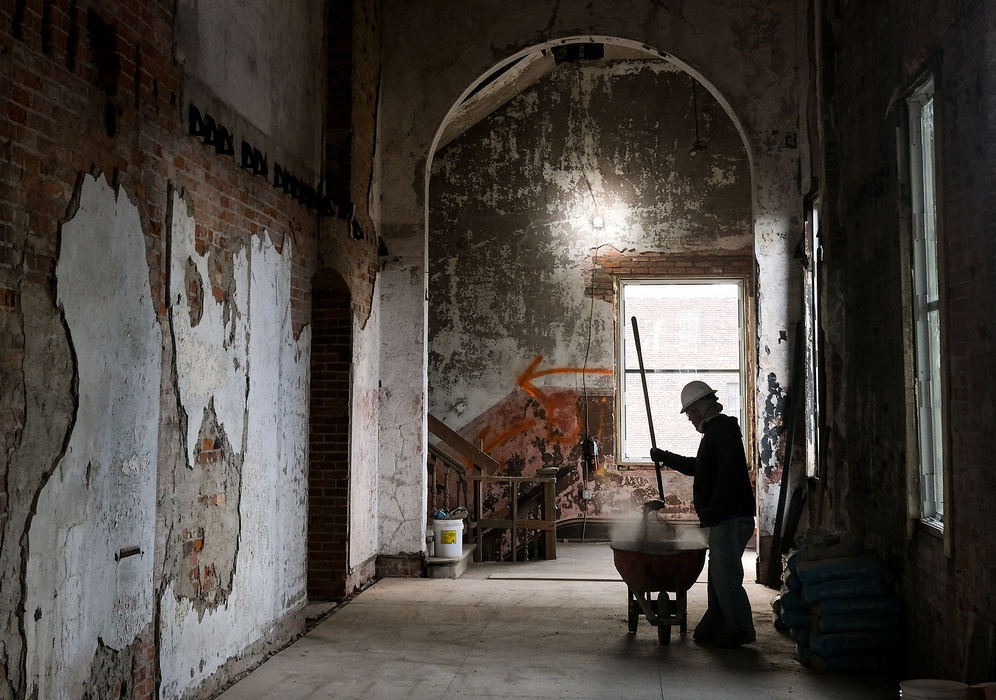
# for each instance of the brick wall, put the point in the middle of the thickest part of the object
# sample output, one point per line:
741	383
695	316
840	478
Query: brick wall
880	50
92	87
328	478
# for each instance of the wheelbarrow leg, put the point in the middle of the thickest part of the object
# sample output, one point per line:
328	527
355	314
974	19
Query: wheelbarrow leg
682	610
633	610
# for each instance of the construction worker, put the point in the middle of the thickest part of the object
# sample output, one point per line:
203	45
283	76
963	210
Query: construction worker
724	501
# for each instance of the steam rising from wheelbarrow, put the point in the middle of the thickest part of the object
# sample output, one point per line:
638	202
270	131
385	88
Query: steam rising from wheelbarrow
651	532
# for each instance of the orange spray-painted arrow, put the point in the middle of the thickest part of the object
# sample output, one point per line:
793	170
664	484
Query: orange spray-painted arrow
526	383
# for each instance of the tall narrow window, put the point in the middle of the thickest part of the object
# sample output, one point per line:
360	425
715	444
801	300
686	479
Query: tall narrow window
925	304
688	330
811	318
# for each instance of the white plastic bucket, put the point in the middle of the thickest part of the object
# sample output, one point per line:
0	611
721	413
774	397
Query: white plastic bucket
932	689
448	536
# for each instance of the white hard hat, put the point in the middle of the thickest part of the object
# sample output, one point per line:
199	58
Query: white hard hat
694	391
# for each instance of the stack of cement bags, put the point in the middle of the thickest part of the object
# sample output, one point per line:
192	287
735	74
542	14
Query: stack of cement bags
835	604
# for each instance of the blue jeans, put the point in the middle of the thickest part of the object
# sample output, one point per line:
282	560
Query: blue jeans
728	615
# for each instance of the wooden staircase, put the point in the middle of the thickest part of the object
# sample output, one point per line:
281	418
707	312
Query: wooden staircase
462	474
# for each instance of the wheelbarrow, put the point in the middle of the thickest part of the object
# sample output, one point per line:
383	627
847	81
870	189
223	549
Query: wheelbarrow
649	567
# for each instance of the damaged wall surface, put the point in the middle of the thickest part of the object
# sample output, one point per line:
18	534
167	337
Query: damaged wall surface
516	340
91	540
243	385
437	60
155	355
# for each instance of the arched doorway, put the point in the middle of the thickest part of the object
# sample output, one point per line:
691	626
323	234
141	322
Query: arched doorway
567	168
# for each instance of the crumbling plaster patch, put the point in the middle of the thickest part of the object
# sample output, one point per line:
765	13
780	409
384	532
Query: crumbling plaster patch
256	379
211	342
205	503
101	499
49	401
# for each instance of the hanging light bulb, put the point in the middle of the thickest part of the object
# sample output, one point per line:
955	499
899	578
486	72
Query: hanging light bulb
597	222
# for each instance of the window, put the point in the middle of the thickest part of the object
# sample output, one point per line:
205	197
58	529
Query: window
688	330
811	318
924	305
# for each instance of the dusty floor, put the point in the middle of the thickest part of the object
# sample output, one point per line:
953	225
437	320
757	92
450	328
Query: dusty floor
534	630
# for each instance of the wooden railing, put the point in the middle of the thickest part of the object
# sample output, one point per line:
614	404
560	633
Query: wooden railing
509	518
454	462
451	459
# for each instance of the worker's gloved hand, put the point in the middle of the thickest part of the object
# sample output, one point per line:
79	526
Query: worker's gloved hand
657	455
653	505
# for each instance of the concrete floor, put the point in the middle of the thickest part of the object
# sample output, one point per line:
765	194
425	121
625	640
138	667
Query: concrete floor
534	630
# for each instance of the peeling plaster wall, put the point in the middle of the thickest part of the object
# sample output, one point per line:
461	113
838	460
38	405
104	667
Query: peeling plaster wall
511	251
101	498
253	385
750	52
364	439
142	414
210	336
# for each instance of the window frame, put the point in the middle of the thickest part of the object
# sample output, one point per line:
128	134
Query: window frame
927	378
623	321
812	319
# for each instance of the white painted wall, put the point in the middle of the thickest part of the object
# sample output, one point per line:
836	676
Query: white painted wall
404	378
102	496
364	437
271	433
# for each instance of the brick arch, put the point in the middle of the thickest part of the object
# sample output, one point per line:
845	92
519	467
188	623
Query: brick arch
328	475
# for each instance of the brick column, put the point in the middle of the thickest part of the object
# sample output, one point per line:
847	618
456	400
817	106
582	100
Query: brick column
328	479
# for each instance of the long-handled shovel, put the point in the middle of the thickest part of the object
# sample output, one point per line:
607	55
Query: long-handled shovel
646	398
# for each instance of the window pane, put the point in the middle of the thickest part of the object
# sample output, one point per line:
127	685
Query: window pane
687	331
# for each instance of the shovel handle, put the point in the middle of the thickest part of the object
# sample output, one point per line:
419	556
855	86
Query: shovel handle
646	399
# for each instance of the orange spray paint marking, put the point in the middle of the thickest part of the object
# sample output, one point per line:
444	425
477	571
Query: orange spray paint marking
505	435
525	379
550	405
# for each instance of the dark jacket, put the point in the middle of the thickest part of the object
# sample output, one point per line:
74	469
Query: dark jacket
722	488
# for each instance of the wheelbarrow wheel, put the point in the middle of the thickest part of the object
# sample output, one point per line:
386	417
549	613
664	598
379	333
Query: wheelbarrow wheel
634	611
665	609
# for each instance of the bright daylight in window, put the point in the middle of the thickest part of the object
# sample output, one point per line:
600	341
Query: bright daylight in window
688	330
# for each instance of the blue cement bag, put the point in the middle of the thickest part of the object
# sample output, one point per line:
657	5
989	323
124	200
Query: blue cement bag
880	604
857	622
813	572
795	618
865	587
